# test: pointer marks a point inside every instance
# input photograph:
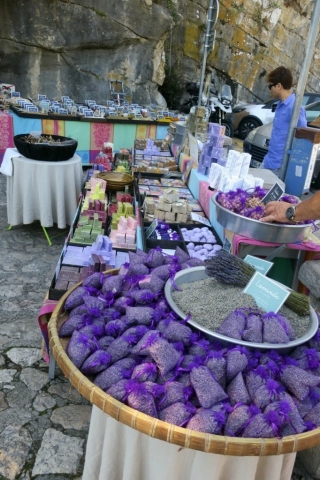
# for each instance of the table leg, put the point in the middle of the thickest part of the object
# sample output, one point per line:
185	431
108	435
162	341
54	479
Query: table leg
44	230
52	365
47	236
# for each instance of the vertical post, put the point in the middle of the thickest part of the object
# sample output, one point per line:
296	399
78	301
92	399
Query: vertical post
213	12
309	50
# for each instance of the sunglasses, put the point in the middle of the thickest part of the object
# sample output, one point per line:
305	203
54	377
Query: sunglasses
272	85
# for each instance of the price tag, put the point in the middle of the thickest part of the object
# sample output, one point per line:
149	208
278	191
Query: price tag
262	266
269	295
149	231
198	218
274	194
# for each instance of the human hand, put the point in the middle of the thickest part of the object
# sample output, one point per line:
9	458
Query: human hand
276	212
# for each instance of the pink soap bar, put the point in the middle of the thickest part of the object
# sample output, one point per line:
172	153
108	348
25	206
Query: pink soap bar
132	223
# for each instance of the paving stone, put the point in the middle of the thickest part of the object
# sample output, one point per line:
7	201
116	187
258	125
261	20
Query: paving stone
15	416
34	379
3	403
309	462
58	453
43	402
67	391
76	417
20	396
7	375
15	444
24	356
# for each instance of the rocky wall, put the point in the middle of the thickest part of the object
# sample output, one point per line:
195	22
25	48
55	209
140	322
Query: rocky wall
66	47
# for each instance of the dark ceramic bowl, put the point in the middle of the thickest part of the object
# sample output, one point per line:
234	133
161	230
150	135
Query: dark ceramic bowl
47	152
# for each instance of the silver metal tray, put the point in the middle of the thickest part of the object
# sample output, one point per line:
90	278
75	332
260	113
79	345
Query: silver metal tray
199	273
264	232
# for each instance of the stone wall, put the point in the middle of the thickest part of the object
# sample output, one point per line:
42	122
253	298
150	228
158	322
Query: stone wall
63	47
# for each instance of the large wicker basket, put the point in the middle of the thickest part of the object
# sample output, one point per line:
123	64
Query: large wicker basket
158	429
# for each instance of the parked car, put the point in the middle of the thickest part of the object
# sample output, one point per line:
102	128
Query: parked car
257	141
246	117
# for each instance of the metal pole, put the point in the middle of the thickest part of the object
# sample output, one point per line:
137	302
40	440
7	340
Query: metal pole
211	20
314	29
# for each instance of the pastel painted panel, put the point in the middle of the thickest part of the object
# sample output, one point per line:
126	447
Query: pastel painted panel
79	131
25	125
142	131
162	131
124	136
53	127
151	131
99	134
6	129
85	156
93	155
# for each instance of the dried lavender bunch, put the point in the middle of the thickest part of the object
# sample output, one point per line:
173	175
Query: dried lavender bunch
232	270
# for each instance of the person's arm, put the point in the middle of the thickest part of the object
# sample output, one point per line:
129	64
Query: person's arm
306	210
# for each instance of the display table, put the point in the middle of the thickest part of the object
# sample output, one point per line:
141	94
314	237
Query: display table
44	191
116	451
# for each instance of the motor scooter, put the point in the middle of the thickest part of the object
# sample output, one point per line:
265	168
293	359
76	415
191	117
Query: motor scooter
221	109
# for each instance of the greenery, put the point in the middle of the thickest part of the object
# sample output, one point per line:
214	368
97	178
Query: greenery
173	10
171	89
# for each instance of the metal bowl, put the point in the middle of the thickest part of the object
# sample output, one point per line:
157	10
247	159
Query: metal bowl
264	232
199	273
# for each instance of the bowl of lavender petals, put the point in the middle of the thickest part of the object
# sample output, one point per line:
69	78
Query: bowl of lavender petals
240	211
223	312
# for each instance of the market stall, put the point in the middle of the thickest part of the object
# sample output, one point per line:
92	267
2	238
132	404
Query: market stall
277	347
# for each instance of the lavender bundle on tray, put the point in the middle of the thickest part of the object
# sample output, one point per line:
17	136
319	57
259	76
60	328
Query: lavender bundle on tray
125	337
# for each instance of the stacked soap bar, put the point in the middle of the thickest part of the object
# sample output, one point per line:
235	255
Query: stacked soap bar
197	123
83	256
105	160
68	277
234	174
171	208
88	230
124	209
124	197
96	188
125	234
212	151
94	209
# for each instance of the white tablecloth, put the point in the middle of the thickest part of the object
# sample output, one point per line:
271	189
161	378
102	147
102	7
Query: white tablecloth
45	191
117	452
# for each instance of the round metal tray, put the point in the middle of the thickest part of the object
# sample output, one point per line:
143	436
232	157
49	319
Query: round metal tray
199	273
264	232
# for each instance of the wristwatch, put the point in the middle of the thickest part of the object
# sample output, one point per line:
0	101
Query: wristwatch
290	213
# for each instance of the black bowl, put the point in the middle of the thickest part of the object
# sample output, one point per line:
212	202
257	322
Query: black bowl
54	152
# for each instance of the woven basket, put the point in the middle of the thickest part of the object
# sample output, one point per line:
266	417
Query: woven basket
156	428
116	180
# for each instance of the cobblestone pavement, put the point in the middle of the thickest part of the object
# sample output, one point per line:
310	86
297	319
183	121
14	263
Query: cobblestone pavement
43	423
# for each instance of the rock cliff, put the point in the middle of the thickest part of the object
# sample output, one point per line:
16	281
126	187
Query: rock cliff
66	47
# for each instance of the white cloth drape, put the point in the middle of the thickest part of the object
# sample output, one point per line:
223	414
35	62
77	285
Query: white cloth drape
45	191
117	452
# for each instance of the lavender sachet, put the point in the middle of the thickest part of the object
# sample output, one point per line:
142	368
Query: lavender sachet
79	348
233	325
207	389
